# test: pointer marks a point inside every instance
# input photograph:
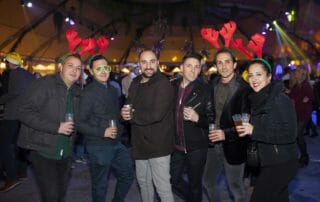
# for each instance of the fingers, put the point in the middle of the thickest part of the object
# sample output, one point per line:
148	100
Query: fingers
189	114
66	128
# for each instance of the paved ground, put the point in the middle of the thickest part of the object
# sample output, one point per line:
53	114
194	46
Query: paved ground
304	188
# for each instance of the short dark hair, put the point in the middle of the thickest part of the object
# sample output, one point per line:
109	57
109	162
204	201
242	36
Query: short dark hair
224	50
146	50
63	59
194	55
94	58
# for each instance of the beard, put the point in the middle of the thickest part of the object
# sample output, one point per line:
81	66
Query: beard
149	74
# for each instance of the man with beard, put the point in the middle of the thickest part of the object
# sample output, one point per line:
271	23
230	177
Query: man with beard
151	96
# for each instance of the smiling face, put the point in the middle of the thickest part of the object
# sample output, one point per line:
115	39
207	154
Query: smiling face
225	66
101	70
190	70
258	77
148	63
71	70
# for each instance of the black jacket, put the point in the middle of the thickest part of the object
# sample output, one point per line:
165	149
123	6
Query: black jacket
98	104
42	110
196	134
236	103
152	123
19	80
275	125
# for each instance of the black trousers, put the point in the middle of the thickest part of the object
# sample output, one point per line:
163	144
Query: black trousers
52	177
272	182
194	163
13	158
300	139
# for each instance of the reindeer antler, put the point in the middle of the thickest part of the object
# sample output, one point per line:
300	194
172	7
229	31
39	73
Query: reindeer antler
227	32
238	44
256	44
88	45
103	43
211	35
73	39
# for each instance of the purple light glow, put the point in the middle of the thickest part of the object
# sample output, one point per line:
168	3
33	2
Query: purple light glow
72	22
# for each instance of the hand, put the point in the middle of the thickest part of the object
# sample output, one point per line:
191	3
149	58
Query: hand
305	99
126	114
216	135
66	128
110	133
244	129
190	114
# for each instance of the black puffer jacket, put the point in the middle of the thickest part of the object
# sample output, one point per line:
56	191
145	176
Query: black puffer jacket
196	134
42	110
275	125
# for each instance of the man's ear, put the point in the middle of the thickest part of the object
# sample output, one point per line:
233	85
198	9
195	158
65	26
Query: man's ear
90	70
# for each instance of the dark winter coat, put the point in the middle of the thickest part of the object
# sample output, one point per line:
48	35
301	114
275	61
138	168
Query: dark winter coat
152	123
42	110
275	125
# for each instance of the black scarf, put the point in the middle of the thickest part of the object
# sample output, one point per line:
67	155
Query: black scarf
259	99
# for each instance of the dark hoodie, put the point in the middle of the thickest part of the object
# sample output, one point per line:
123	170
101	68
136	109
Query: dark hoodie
275	124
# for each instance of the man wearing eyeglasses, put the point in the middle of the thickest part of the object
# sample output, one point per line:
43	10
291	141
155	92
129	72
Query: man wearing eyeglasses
151	96
98	106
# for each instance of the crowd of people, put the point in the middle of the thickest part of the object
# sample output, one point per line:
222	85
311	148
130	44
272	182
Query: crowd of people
183	131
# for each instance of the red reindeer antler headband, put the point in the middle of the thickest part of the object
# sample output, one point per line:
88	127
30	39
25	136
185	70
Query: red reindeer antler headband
87	45
255	44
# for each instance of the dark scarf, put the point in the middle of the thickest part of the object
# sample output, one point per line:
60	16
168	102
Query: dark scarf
259	99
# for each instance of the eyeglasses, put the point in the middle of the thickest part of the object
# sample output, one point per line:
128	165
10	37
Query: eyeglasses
102	68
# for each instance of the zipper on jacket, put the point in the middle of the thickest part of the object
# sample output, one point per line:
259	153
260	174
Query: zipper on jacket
276	149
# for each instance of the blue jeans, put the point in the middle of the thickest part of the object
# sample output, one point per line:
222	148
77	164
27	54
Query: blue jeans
101	159
234	174
194	162
154	171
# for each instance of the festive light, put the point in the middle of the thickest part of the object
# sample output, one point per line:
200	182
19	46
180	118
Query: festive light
296	52
174	58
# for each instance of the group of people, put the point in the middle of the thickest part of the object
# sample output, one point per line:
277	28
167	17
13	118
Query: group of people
169	126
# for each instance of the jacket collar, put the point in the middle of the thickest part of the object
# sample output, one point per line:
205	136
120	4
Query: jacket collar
152	80
74	88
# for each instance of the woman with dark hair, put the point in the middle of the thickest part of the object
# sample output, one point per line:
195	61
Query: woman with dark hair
273	126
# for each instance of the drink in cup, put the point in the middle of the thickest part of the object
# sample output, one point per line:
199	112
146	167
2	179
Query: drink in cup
129	108
113	124
237	119
245	118
68	117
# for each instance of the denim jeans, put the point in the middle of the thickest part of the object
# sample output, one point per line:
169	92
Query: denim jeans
234	174
194	162
52	177
154	171
101	160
